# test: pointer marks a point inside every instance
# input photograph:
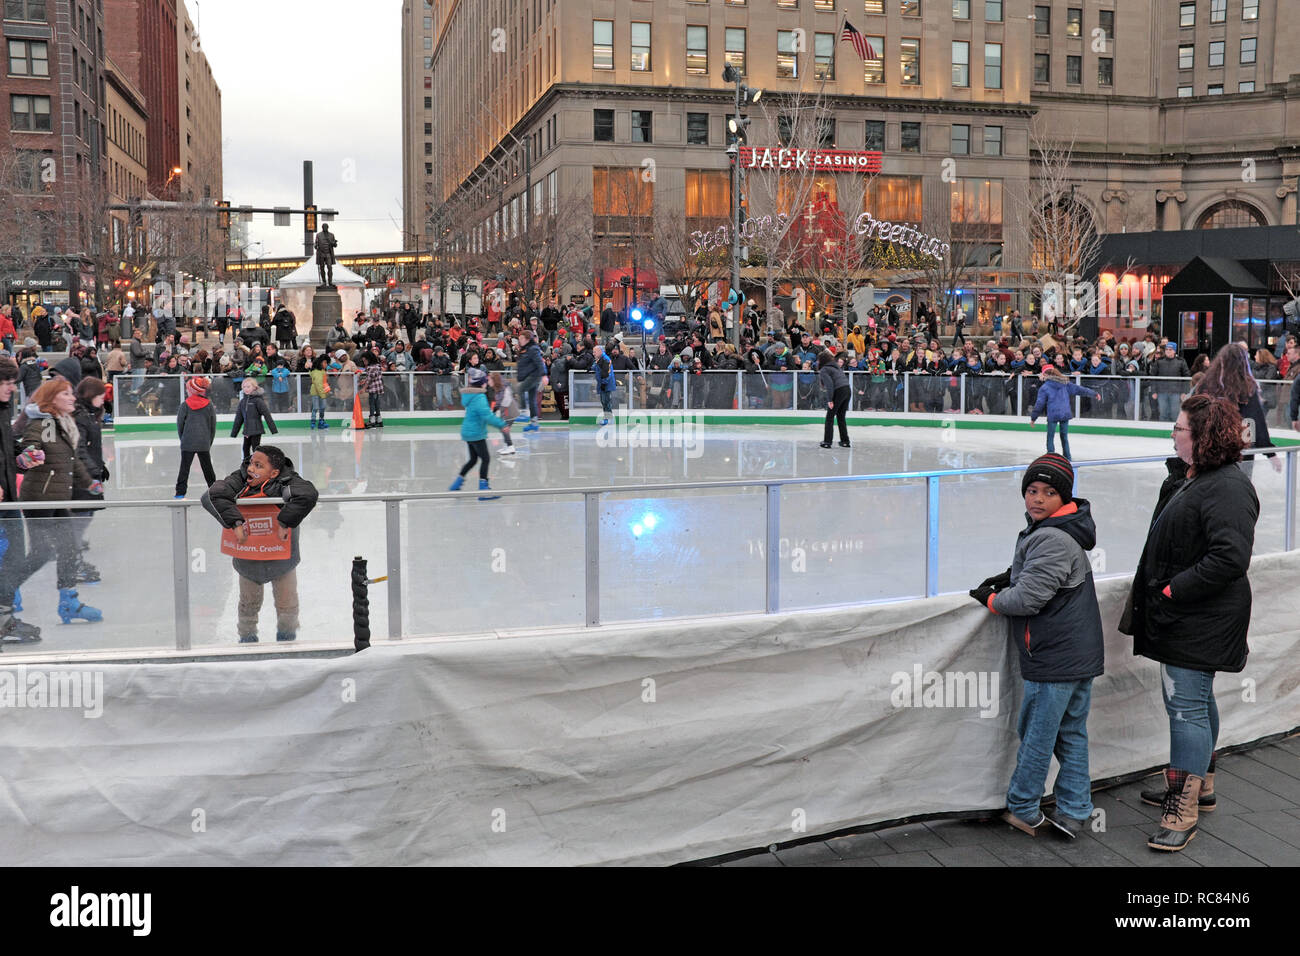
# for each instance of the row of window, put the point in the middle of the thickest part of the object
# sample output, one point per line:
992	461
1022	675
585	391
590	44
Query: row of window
29	58
1187	52
697	132
29	113
33	10
1216	89
1074	69
1218	12
1042	18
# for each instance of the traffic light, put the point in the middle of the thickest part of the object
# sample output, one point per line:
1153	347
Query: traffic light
586	293
223	214
310	224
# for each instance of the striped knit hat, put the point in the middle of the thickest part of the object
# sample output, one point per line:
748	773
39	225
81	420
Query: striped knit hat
197	386
1054	470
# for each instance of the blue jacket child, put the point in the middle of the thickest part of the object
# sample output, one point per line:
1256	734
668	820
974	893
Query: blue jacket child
473	429
1055	396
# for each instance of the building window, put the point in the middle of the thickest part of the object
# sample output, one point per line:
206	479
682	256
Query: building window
641	126
697	129
697	49
874	70
428	102
1074	70
428	149
1232	214
992	140
1105	71
910	8
428	45
961	9
960	63
29	58
1250	9
787	61
895	198
960	141
1248	49
1074	22
1216	53
640	47
876	6
993	11
910	60
1042	20
911	141
1186	56
602	126
1215	89
824	56
826	132
428	24
428	129
1184	91
708	197
993	66
428	169
602	44
1218	11
1106	20
30	113
735	52
1187	14
826	6
1042	67
33	10
780	3
1246	86
875	135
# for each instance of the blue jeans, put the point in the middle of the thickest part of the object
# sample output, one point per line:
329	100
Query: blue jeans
318	406
1065	438
1193	717
1169	406
442	392
530	403
1053	720
606	401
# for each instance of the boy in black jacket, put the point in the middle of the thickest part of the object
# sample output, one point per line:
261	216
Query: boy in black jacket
1050	602
268	474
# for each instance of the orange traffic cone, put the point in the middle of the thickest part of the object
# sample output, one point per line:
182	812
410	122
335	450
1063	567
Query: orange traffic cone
358	422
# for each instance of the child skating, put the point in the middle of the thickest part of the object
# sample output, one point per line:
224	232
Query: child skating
501	400
319	389
1054	396
473	430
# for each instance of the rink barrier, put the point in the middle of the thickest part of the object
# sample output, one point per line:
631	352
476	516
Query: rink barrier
592	498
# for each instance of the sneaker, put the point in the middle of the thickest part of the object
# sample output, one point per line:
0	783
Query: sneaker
507	450
845	444
251	639
604	421
534	427
1024	826
1067	825
824	444
286	636
177	497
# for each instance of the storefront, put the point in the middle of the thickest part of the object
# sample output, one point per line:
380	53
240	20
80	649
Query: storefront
50	288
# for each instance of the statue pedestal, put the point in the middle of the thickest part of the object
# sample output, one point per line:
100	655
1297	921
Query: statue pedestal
326	310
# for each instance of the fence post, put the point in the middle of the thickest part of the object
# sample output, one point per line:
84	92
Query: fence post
907	386
393	540
591	522
686	390
1137	399
181	575
1020	396
961	389
932	537
410	391
772	550
740	390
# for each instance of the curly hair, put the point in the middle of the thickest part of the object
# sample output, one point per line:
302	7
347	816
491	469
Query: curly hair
1229	375
1217	437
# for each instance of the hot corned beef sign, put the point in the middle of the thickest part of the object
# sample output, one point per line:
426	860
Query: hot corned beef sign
782	157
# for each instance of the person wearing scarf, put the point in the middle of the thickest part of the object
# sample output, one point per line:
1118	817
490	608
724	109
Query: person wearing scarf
196	424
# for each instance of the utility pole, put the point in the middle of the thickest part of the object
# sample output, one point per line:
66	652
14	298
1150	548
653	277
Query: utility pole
736	126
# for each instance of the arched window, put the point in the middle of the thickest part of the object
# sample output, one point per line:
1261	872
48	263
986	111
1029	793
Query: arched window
1232	214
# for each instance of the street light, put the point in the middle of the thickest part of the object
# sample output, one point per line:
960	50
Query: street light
736	125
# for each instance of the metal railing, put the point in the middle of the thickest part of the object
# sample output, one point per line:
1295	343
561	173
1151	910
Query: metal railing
721	511
1123	398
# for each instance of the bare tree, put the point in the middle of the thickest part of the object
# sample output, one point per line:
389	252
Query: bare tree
545	249
689	259
29	212
974	230
1064	238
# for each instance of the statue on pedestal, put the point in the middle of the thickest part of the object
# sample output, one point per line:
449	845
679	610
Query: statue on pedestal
325	243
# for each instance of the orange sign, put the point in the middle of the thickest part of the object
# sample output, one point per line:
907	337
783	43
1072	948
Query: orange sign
263	542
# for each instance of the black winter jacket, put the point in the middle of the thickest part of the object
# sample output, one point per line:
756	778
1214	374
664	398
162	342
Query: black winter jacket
197	427
8	451
249	415
1199	544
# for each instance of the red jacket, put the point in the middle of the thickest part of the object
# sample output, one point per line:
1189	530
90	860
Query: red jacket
7	328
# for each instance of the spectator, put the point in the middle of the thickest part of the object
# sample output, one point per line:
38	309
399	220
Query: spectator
1169	365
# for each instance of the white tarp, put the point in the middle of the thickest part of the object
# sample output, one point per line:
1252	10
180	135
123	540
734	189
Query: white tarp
625	745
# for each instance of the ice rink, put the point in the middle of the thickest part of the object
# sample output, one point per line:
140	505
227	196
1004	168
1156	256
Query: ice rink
477	567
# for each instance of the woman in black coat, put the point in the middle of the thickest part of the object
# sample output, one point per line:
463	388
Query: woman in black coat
1190	604
89	416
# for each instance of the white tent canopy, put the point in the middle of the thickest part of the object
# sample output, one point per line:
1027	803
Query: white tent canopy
298	287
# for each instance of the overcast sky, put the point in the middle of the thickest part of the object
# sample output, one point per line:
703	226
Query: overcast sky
318	80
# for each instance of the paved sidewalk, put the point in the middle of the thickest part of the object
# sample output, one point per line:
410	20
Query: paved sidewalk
1257	823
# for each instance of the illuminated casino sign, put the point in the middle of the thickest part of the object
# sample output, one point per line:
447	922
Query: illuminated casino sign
833	160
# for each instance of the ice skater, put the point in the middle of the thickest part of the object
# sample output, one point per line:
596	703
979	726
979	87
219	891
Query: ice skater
250	414
1054	396
196	424
473	430
501	400
835	386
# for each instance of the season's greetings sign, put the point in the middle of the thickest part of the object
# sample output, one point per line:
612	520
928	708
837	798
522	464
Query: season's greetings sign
896	233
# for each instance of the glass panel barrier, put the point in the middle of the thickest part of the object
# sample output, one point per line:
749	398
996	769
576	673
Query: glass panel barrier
849	542
681	553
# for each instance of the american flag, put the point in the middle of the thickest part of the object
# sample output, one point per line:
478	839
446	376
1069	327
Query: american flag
859	42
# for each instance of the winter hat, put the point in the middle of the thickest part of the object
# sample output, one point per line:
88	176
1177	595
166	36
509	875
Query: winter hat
340	354
477	377
197	386
1054	470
